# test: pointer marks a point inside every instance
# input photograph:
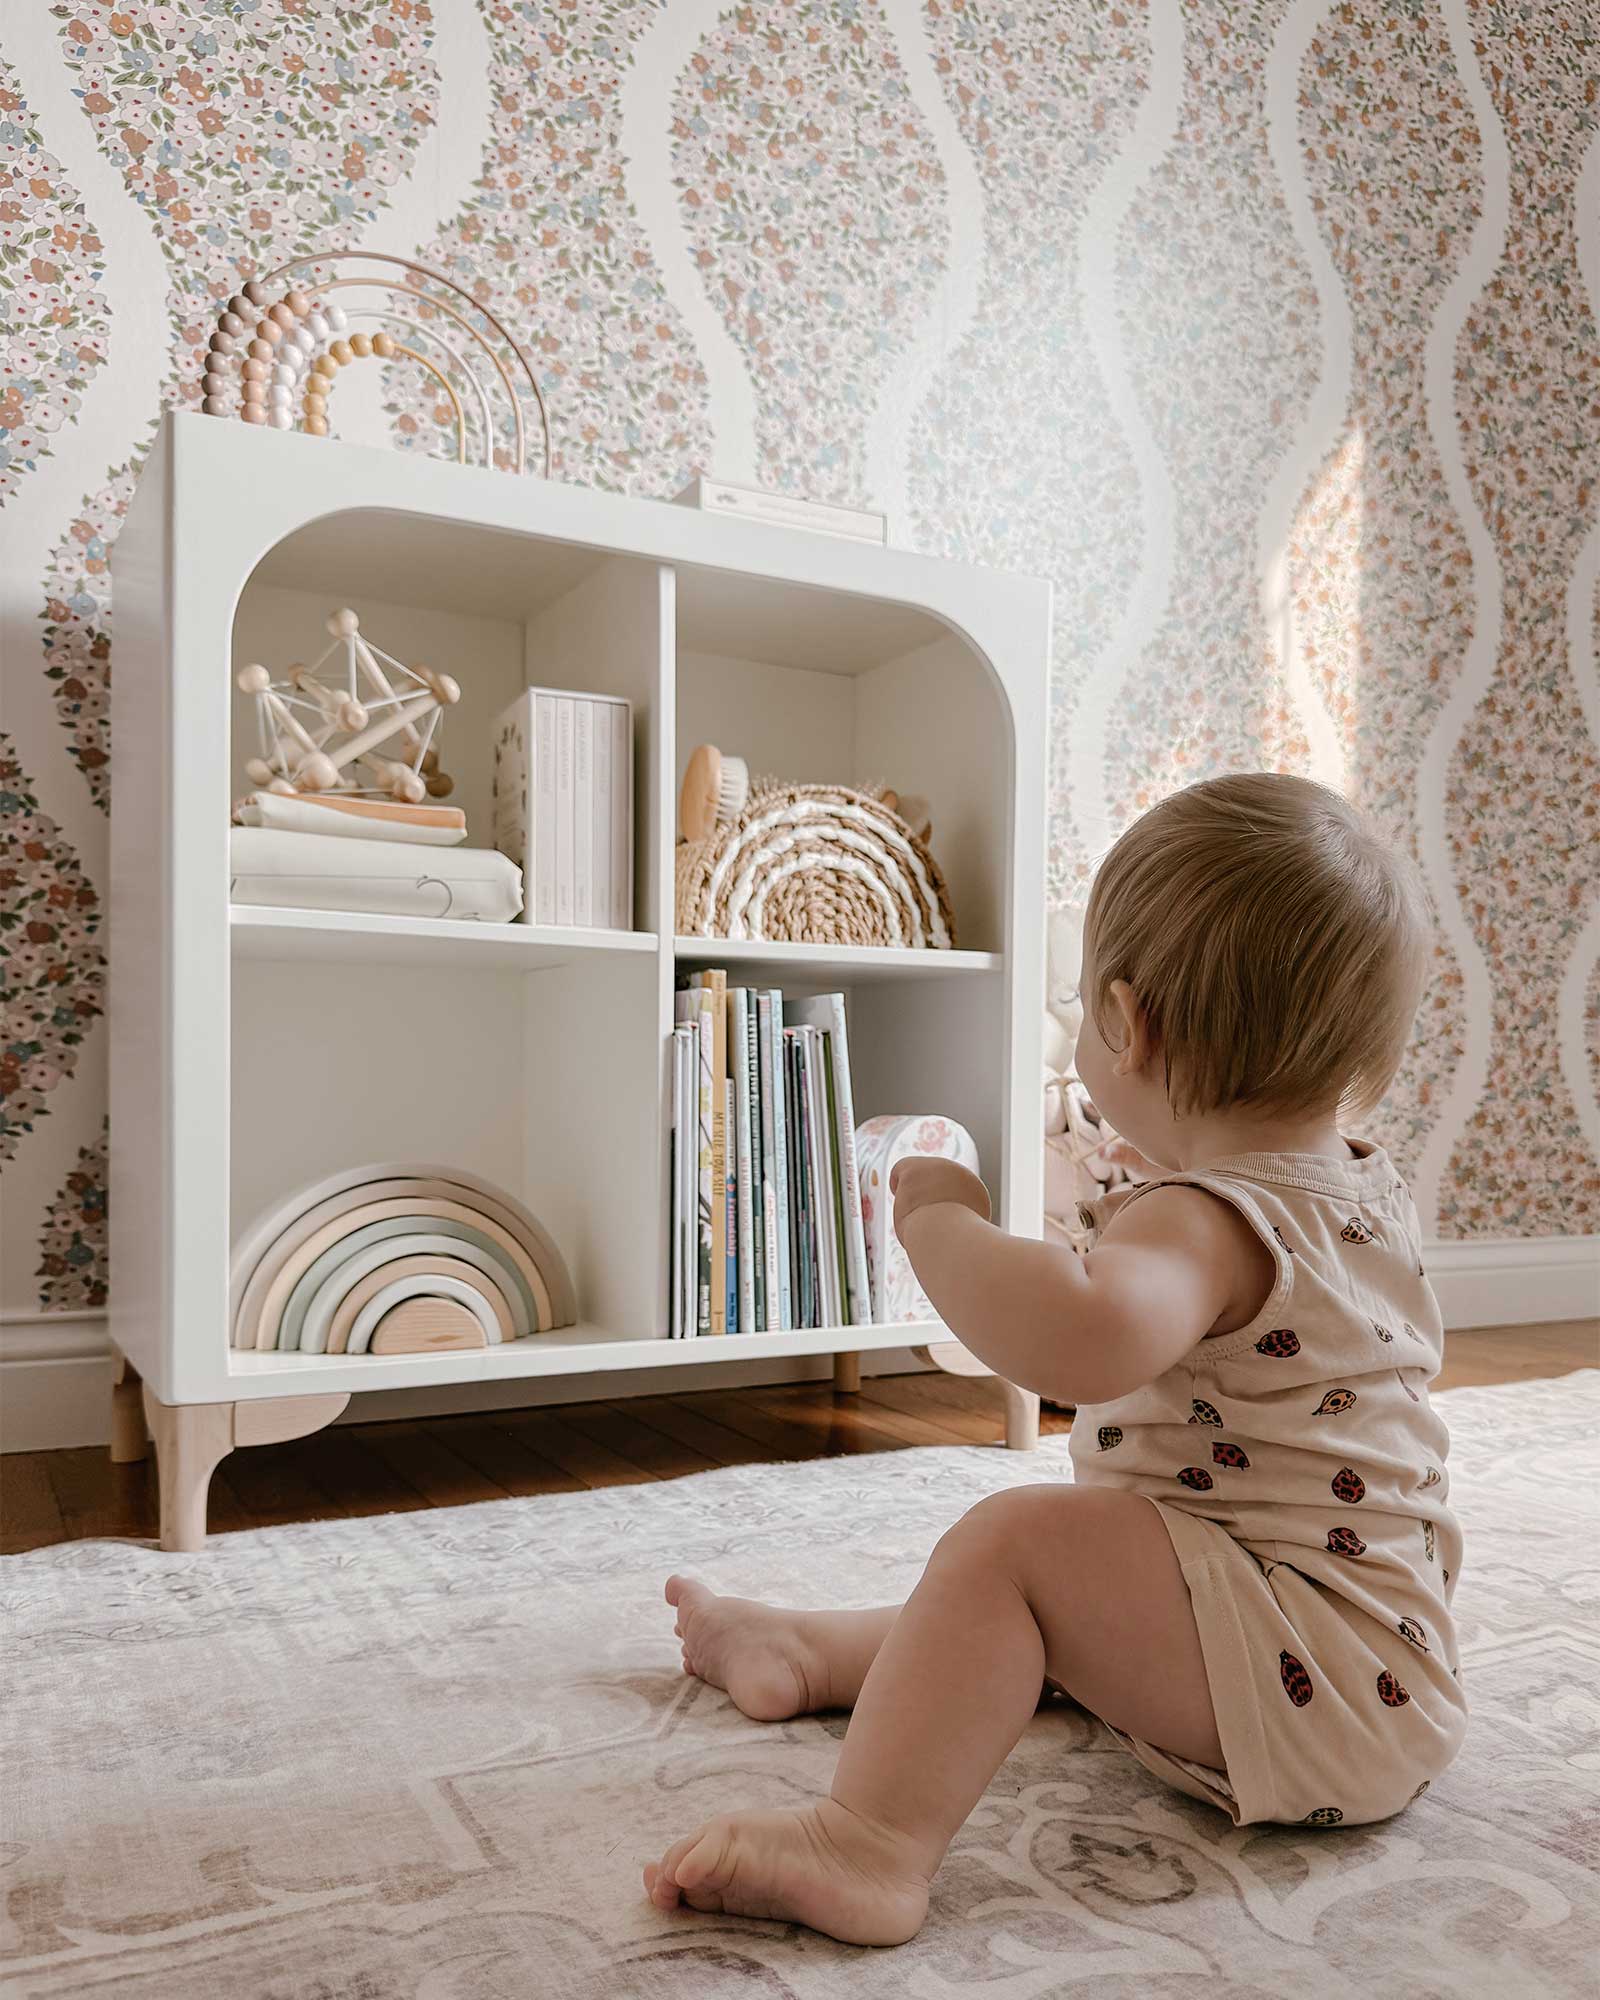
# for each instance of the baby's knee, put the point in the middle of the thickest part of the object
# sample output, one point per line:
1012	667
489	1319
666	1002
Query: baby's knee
996	1531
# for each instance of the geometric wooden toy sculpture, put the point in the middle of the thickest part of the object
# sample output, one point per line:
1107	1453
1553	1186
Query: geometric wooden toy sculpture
276	355
343	738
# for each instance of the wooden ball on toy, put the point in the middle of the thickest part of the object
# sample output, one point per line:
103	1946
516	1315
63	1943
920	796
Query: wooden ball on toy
253	679
336	318
315	406
430	762
341	352
318	327
352	715
282	787
407	787
361	345
317	773
259	772
270	332
298	304
325	366
282	318
254	413
343	624
256	370
256	293
445	689
441	785
222	343
255	394
231	323
240	307
383	345
280	418
214	385
215	406
262	351
317	426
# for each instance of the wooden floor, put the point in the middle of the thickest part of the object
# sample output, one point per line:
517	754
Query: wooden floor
381	1468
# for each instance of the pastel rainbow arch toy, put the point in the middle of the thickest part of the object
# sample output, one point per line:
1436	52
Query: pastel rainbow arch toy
396	1260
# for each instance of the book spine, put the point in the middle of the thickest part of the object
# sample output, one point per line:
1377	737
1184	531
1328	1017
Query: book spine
836	1182
582	811
816	1114
859	1287
715	987
600	913
730	1213
797	1176
565	721
741	1090
680	1150
758	1196
780	1162
622	816
541	890
769	1166
704	1204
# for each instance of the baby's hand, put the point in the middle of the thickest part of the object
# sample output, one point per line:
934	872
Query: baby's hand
920	1183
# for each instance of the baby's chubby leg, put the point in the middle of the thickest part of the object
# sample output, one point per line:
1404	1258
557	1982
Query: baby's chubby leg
1076	1584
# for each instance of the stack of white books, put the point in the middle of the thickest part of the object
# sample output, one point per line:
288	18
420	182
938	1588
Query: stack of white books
783	510
563	805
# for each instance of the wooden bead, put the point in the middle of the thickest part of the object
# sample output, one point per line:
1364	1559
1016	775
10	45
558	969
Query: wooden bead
282	787
255	395
318	327
253	413
445	690
352	715
214	406
298	303
341	352
282	317
343	624
317	426
283	376
242	311
281	420
256	293
325	366
406	786
383	346
258	772
315	406
361	345
221	343
318	773
214	385
255	369
231	323
441	785
430	762
253	679
336	318
262	350
302	343
270	331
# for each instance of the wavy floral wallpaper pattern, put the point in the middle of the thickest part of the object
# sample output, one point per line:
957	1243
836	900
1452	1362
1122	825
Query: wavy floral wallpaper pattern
1146	241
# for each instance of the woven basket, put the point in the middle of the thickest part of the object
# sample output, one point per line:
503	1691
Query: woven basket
814	864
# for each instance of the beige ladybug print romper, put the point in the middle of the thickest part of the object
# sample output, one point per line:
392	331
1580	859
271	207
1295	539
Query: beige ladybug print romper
1300	1470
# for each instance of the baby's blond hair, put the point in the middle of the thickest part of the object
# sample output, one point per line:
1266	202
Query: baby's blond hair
1277	944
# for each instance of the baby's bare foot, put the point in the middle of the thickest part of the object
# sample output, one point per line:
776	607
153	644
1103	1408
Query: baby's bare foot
822	1866
757	1652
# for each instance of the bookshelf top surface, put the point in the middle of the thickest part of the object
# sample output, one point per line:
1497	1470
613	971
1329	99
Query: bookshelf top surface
354	937
848	964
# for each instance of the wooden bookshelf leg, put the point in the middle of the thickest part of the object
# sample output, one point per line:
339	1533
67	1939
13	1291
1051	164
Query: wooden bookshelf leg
847	1374
192	1440
1022	1418
129	1442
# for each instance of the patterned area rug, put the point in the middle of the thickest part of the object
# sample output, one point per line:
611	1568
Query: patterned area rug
424	1756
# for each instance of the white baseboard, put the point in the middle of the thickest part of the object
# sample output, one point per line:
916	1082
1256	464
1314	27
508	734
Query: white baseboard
55	1389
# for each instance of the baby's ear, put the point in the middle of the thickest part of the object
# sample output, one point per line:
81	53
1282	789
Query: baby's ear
1136	1041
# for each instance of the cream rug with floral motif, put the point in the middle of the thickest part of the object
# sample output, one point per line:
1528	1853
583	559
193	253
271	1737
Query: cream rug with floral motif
422	1758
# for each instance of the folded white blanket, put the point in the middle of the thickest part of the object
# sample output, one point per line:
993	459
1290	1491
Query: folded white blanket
354	819
389	878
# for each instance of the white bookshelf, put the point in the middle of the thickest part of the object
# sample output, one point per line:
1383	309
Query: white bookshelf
255	1050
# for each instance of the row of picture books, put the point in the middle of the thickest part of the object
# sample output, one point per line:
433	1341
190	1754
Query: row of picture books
766	1200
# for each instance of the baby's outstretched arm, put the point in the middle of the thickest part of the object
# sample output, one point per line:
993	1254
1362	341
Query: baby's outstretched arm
1085	1329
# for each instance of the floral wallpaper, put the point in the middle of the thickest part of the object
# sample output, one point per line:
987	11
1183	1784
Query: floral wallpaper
1265	328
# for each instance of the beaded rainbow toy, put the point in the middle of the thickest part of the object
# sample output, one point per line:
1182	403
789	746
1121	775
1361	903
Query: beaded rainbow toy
275	355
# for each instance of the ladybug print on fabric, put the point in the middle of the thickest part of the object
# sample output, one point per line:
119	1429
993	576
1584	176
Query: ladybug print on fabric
1196	1478
1335	1402
1283	1241
1296	1681
1417	1794
1407	1327
1108	1437
1348	1485
1345	1542
1390	1692
1205	1413
1323	1816
1433	1478
1280	1343
1231	1455
1409	1629
1356	1231
1407	1387
1427	1538
1382	1332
